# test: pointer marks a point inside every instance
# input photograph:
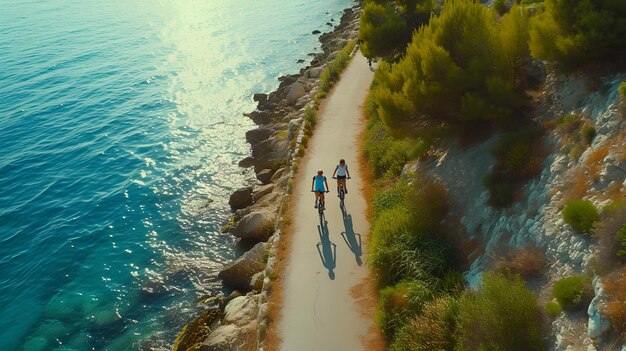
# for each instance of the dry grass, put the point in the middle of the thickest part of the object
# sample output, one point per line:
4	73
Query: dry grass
594	161
608	241
619	145
367	291
615	308
577	186
528	262
283	247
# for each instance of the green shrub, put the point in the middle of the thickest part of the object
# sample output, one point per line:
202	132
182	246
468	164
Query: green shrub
553	309
405	228
385	153
573	292
500	6
621	234
390	197
518	158
429	206
331	73
502	315
581	215
611	237
432	330
401	302
461	68
500	191
588	133
382	30
390	255
578	31
622	89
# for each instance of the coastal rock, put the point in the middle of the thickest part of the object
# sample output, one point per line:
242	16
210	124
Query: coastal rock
241	198
265	176
238	330
260	117
256	282
239	273
262	191
241	311
221	339
256	225
278	174
259	97
270	149
257	135
196	330
294	92
316	32
314	72
246	162
294	125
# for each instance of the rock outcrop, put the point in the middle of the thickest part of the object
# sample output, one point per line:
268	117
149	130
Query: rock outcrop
239	273
256	226
241	198
238	329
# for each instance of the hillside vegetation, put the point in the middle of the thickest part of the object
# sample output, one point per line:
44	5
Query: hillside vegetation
445	73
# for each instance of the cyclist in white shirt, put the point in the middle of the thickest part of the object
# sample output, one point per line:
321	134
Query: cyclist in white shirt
342	173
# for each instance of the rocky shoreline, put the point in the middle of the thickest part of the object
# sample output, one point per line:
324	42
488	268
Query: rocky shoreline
239	321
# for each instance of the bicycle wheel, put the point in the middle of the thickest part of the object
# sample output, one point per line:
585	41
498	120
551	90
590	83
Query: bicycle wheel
320	210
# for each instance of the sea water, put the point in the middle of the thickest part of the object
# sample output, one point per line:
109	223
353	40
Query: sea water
120	132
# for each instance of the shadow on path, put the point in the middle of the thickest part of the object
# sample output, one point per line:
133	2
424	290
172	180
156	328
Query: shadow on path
327	250
350	237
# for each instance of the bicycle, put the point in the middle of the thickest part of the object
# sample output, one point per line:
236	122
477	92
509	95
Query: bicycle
321	208
342	194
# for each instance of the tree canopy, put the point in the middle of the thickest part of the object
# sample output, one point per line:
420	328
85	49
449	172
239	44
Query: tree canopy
574	32
459	68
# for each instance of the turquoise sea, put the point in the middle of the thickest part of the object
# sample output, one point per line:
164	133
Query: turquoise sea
120	131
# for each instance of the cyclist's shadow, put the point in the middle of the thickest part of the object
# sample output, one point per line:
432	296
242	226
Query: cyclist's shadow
350	237
327	250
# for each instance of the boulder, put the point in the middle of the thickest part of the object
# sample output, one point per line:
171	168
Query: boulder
238	274
241	198
278	173
294	92
256	282
223	338
265	176
315	72
316	32
246	162
241	311
294	125
256	226
196	330
258	135
238	330
259	117
259	97
270	149
262	191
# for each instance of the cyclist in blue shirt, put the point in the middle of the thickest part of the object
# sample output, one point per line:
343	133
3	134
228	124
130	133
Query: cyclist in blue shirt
318	186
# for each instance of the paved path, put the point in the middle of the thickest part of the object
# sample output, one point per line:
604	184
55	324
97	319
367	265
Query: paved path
326	261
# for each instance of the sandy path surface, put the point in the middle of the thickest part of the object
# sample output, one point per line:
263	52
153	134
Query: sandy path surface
327	262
